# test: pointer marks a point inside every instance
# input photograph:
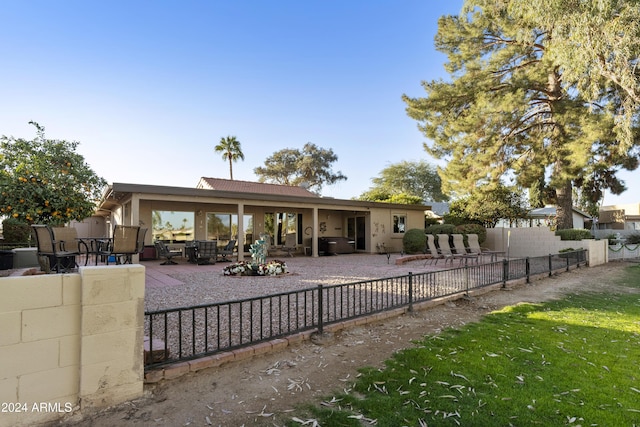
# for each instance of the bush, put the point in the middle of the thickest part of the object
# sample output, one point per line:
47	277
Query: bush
633	239
473	229
574	234
15	231
414	241
440	229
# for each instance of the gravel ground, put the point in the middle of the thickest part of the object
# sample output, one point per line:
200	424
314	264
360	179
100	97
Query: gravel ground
207	284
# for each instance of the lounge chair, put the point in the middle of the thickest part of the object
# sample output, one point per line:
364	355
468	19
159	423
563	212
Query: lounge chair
432	250
475	248
461	250
163	251
227	250
445	249
51	254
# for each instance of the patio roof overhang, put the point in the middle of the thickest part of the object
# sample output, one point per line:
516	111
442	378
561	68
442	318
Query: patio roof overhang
116	193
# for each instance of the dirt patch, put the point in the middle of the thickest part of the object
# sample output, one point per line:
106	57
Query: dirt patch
265	390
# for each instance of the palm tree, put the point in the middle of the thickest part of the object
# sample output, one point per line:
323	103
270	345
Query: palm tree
230	149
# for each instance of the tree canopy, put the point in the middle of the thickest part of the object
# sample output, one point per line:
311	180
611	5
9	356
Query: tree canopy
311	166
408	181
528	103
46	181
230	148
486	206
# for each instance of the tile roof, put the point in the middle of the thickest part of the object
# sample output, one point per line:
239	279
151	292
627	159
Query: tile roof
253	187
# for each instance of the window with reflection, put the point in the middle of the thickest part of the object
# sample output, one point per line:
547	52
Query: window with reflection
279	224
399	223
172	226
224	227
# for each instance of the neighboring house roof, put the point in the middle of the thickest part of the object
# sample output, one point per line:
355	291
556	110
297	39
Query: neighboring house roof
439	208
548	211
253	187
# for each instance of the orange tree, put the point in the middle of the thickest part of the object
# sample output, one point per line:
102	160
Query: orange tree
45	181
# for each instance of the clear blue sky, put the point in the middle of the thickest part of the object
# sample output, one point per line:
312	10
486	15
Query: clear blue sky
148	88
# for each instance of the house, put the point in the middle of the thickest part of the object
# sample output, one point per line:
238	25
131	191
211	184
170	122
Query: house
212	209
545	217
619	217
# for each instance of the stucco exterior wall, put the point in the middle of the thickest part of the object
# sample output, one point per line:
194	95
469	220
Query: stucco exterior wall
70	341
540	241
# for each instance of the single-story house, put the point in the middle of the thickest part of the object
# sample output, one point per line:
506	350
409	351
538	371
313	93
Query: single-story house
544	217
619	217
211	211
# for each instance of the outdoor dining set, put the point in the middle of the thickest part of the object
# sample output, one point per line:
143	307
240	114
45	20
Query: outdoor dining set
60	248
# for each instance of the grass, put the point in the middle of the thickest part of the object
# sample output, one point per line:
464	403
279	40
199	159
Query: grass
571	362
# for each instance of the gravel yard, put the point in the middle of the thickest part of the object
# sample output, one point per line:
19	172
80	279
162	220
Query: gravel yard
206	284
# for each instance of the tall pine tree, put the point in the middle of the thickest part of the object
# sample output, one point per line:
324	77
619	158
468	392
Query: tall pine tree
515	110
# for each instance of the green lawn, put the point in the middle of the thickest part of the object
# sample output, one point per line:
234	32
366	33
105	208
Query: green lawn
571	362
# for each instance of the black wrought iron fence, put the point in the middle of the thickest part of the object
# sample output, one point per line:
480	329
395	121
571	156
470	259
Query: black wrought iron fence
190	332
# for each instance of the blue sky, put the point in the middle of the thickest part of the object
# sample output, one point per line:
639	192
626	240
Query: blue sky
148	88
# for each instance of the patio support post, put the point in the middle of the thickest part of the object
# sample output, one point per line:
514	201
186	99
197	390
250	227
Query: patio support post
314	238
135	220
240	237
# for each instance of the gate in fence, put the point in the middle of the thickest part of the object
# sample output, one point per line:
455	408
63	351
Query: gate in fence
190	332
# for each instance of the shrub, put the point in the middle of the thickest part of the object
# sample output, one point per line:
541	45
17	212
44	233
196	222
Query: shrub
15	231
414	241
612	239
574	234
440	229
633	239
473	229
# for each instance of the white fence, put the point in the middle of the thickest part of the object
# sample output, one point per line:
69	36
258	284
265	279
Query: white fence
620	252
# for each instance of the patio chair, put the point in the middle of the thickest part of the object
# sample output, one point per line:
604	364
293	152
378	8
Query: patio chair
163	251
142	233
445	249
432	250
123	245
206	250
461	250
290	244
67	240
475	248
50	255
227	250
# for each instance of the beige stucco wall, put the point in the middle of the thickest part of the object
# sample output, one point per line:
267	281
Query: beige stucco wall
69	341
540	241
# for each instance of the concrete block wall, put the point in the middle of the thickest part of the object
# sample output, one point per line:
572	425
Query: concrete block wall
69	341
540	241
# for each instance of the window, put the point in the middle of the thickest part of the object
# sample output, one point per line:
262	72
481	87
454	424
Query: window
399	223
224	226
279	224
172	226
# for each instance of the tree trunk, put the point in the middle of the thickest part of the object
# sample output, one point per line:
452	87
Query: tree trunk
230	169
564	206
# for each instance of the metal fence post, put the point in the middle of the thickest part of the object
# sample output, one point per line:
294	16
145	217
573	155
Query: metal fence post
550	265
527	268
505	272
568	260
320	310
466	279
410	291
